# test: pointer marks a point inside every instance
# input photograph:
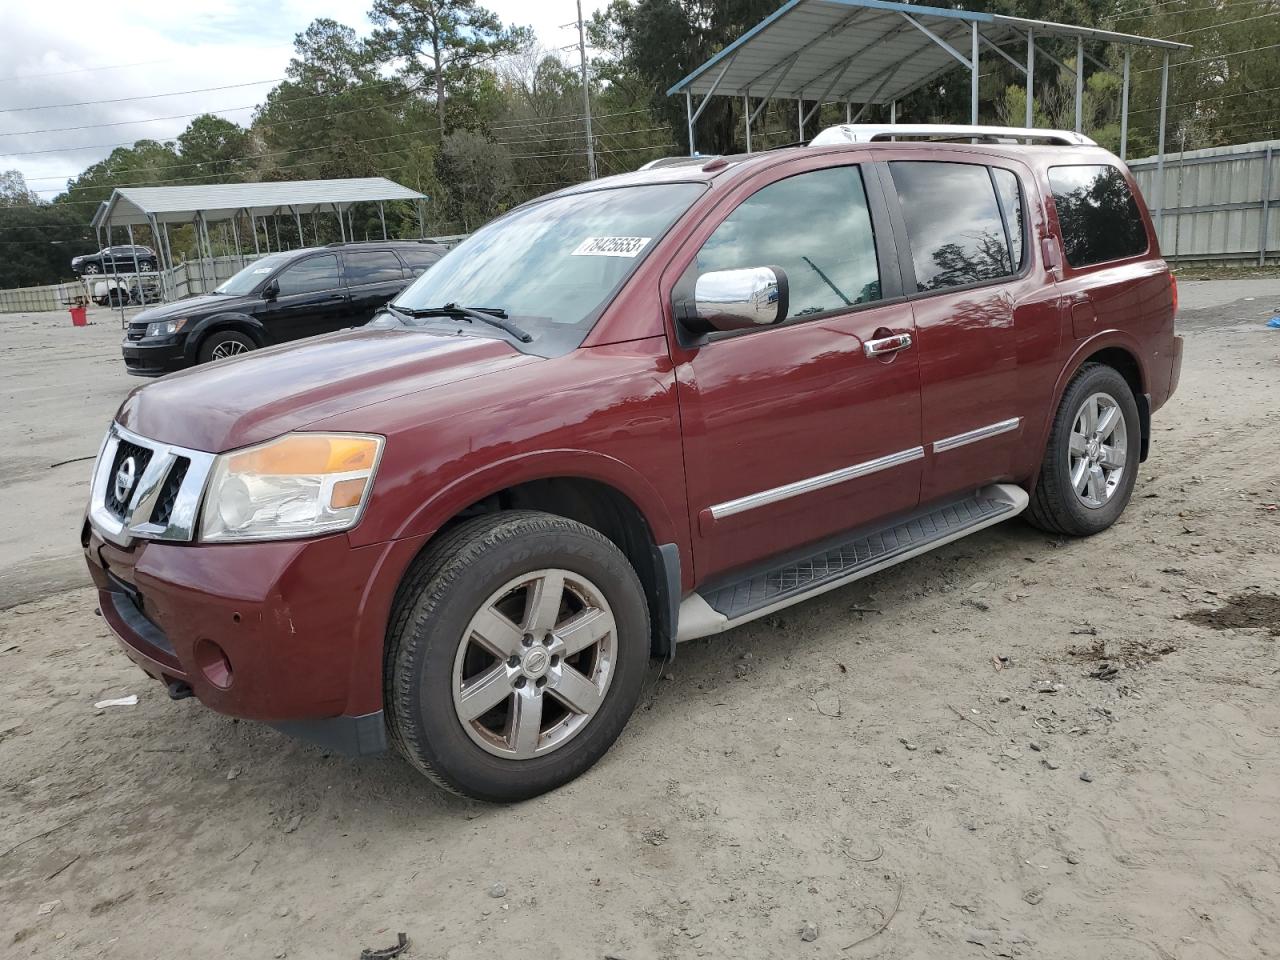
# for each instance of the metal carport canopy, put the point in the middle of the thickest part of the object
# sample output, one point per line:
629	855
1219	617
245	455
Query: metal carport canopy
136	206
866	51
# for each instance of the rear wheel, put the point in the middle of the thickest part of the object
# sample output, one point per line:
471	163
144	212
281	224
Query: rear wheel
224	344
515	656
1091	463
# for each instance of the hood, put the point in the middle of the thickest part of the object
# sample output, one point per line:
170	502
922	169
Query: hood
190	306
261	395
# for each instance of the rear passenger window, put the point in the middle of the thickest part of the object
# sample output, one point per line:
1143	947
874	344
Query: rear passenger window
816	227
1097	213
372	266
954	226
1010	194
417	261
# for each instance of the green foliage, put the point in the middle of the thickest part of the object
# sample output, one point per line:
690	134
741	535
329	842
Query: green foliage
37	239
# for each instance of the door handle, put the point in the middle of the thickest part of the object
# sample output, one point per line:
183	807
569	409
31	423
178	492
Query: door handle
878	348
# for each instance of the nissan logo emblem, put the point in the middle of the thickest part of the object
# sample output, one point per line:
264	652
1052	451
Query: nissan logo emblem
125	477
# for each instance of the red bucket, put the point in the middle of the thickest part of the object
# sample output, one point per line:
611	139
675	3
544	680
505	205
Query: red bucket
79	316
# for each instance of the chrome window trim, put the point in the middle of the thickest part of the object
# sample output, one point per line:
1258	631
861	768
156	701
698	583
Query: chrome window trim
142	502
973	436
785	492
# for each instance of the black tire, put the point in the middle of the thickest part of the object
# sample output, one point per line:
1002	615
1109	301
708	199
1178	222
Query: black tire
224	339
442	591
1055	507
91	270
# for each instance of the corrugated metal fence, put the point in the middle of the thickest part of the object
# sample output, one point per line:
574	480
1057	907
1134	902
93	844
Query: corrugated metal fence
1219	203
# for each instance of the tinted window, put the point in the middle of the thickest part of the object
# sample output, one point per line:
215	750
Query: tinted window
372	266
1097	214
417	260
309	276
815	226
1010	193
953	223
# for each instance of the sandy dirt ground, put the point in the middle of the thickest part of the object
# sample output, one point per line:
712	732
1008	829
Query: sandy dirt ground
1017	746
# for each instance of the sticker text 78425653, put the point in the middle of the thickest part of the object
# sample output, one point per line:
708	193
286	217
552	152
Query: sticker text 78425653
611	246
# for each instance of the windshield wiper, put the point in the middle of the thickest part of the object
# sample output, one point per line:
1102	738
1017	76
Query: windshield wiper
494	316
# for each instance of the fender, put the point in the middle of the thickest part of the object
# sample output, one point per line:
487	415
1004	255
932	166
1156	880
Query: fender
1104	339
547	465
244	322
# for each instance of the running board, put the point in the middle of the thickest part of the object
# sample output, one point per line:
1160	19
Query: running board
722	606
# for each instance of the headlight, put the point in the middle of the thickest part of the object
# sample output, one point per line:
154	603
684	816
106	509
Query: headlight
165	328
301	485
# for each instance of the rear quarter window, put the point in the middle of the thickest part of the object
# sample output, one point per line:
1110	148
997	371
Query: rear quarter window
1097	214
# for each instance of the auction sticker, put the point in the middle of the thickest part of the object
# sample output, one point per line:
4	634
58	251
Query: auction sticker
611	246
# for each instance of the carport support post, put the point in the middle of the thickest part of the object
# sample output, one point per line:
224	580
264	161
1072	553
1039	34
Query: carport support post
1079	84
297	219
1031	79
746	117
1164	104
893	111
800	115
1124	107
688	110
382	216
422	219
257	251
137	269
342	226
973	75
235	235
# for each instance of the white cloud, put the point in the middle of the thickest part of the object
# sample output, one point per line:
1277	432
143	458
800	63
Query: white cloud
154	48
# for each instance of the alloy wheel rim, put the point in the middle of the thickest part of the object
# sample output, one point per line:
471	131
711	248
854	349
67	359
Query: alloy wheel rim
229	349
1097	450
535	663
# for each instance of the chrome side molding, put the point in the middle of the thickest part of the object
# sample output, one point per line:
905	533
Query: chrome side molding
788	490
973	436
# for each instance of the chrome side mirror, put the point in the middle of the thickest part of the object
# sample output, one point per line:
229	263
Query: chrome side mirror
738	299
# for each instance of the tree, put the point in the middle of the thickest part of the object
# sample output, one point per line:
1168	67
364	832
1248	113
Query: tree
440	42
212	149
477	178
38	238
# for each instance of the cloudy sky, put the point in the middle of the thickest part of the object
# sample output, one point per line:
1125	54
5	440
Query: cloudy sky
132	48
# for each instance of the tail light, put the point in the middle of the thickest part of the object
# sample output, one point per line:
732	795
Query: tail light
1173	289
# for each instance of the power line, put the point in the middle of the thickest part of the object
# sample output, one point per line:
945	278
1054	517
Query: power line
67	73
1216	56
1220	26
282	153
146	96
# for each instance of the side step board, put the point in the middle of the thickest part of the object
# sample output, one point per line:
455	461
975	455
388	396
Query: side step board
724	605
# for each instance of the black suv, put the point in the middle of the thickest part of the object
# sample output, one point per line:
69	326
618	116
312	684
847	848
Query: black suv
124	259
281	297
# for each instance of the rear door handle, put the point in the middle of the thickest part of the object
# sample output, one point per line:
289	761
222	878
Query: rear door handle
878	348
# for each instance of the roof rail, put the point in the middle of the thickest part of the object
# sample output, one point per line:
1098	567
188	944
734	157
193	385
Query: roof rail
874	132
701	158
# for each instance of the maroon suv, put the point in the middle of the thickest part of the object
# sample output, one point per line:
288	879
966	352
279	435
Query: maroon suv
633	412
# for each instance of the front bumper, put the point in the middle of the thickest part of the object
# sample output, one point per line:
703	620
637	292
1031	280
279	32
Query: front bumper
153	359
290	633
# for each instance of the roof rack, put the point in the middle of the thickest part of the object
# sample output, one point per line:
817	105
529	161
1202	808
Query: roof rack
877	132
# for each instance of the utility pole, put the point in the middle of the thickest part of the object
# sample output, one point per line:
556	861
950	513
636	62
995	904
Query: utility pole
586	94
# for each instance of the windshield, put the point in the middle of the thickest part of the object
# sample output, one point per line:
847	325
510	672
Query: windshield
552	265
252	275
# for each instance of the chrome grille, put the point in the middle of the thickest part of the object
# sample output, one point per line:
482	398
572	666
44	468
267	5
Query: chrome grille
136	332
158	498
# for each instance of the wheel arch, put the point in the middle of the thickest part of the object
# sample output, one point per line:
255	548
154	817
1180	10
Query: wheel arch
240	322
628	515
1117	351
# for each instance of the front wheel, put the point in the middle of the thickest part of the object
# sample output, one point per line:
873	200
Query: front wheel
515	656
223	345
1091	463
